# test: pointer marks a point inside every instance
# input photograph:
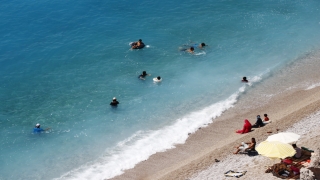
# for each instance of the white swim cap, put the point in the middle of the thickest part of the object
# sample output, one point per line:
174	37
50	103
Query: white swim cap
114	98
38	125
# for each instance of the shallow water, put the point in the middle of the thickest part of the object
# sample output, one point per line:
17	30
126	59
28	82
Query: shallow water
61	63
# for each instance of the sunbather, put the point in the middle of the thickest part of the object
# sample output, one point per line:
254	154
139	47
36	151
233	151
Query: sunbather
246	146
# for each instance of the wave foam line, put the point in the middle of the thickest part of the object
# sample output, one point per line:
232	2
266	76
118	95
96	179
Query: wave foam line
143	144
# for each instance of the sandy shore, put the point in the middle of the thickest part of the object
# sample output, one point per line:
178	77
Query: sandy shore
284	96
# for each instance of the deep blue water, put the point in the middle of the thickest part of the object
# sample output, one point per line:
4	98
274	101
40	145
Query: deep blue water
61	63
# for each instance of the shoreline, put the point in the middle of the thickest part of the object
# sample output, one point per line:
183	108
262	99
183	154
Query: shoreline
286	103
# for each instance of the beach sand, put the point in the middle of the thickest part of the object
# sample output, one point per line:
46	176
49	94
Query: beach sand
289	96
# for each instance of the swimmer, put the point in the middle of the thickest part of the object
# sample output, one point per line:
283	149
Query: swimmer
190	50
114	102
144	74
202	45
37	129
244	79
137	45
157	79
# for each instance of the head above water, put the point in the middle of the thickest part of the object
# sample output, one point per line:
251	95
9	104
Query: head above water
202	44
244	78
158	77
140	40
37	125
192	48
144	73
114	98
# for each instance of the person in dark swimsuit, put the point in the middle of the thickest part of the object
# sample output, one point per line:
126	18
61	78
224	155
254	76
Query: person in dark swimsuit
143	75
244	79
114	102
137	45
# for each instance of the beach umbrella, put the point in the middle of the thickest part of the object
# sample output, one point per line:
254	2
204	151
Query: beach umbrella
275	149
285	137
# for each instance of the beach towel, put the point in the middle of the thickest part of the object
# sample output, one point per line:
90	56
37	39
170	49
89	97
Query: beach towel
231	173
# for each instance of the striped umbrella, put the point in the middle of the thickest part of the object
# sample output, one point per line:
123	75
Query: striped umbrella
275	149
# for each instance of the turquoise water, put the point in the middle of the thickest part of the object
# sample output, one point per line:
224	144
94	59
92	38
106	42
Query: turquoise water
61	63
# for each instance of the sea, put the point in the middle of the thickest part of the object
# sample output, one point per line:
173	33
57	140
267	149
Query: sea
62	62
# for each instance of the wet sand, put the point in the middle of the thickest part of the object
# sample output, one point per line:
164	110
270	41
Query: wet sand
284	96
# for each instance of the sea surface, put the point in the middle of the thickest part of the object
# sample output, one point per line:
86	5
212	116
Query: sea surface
62	62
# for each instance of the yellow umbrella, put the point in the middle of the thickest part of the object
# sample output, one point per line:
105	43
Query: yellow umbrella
275	149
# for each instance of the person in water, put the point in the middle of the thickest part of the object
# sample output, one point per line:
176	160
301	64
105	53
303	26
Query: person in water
157	79
137	45
202	45
37	129
114	102
143	75
244	79
258	123
190	50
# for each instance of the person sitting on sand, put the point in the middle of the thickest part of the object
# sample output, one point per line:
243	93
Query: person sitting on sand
246	146
144	74
137	45
266	119
258	123
114	102
244	79
246	127
37	129
298	151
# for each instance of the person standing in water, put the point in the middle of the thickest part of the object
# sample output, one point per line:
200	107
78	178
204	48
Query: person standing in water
143	75
37	129
244	79
114	102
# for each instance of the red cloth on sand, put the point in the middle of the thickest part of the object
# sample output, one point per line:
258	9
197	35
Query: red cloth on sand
246	127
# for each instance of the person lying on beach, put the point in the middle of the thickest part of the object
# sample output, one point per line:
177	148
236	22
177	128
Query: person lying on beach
137	45
37	129
258	123
244	79
246	146
246	127
144	74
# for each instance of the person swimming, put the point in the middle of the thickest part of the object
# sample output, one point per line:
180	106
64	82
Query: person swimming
137	45
37	129
190	50
114	102
202	45
157	79
143	75
244	79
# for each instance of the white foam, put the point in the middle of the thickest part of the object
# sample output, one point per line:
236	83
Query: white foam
313	86
200	53
143	144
